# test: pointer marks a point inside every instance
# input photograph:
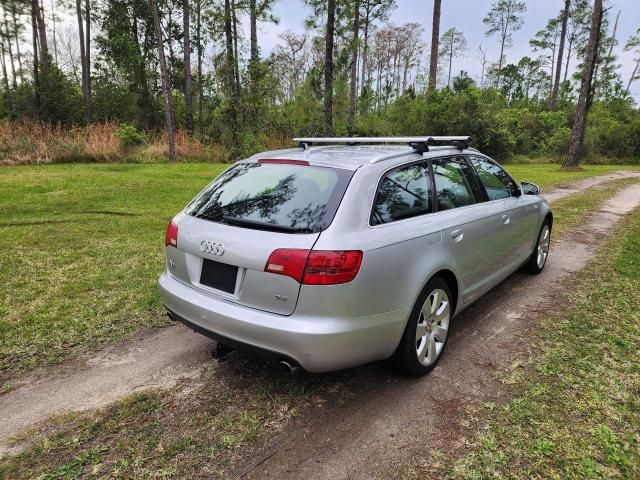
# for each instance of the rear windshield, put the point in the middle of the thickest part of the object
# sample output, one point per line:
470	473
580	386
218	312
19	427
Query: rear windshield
273	196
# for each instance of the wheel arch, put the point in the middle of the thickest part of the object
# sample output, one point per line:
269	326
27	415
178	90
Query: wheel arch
452	282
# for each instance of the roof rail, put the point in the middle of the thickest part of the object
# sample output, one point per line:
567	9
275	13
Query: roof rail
419	144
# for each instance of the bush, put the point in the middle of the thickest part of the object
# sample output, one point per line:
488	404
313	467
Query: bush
129	135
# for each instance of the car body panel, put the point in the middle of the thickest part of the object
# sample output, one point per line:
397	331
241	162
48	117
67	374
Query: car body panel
327	327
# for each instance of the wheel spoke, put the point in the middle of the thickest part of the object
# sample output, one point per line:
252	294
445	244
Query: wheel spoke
423	350
440	332
431	354
443	311
435	301
421	330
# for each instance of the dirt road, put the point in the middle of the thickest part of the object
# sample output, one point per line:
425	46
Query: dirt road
354	439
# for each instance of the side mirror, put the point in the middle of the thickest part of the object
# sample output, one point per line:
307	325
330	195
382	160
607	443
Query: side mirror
530	188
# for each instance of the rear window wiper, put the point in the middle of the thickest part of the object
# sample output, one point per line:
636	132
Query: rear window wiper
243	222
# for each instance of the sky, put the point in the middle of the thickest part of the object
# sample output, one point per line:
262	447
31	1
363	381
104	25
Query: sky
466	16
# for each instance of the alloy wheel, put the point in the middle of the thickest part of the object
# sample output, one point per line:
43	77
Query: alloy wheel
433	327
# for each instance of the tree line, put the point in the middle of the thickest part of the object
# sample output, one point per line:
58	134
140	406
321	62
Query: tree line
187	64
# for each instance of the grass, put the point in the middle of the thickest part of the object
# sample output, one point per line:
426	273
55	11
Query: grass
549	176
198	433
83	247
574	411
99	285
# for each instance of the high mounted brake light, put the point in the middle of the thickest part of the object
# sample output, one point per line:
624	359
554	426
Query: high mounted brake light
283	161
171	236
315	267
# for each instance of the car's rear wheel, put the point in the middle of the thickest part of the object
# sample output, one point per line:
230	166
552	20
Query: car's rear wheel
538	258
425	336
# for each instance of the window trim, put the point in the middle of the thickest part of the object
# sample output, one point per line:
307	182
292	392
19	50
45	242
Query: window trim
517	194
384	174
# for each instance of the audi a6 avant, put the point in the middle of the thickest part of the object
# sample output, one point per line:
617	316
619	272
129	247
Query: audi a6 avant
348	250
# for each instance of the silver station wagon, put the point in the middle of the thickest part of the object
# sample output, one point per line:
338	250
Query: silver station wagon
349	250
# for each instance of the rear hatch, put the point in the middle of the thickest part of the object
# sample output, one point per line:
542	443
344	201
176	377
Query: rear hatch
228	232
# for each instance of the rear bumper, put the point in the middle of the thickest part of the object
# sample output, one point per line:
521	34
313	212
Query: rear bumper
317	343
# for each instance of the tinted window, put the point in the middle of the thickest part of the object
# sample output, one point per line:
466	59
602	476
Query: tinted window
455	185
496	181
402	193
275	196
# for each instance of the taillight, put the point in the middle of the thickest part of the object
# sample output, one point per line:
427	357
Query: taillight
171	237
289	262
331	267
318	267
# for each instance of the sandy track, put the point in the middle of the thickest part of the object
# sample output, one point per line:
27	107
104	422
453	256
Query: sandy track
165	357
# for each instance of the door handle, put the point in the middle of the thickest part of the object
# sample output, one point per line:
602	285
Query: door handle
506	219
457	235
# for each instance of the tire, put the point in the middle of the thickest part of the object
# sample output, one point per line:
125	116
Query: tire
418	354
538	258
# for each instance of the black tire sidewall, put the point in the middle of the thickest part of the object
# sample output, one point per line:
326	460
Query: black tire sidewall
532	264
406	357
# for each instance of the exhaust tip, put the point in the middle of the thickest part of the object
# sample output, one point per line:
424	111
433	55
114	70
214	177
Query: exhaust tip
289	367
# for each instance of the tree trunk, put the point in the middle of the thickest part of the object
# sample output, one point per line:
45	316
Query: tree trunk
42	33
230	74
53	22
5	77
563	34
253	20
236	54
7	36
164	77
579	122
354	66
83	60
566	65
365	51
450	61
87	57
17	40
200	81
188	102
633	75
34	39
328	67
435	38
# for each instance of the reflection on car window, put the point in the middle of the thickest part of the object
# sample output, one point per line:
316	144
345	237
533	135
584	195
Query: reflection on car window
402	193
454	183
496	181
283	195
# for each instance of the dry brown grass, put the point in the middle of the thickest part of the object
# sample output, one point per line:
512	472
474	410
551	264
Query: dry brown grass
31	142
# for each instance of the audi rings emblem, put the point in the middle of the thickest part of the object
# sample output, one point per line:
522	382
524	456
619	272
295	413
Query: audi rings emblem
215	248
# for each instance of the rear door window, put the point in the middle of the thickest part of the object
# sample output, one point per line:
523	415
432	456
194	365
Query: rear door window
403	193
497	183
455	184
273	196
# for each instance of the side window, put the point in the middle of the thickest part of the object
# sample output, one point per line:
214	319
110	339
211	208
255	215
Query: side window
455	185
496	181
402	193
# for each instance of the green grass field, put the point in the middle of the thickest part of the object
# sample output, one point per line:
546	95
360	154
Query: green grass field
79	279
574	408
82	248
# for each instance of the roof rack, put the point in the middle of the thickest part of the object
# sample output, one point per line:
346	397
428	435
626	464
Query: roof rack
419	144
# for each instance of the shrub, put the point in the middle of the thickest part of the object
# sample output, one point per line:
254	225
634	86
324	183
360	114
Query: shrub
129	135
